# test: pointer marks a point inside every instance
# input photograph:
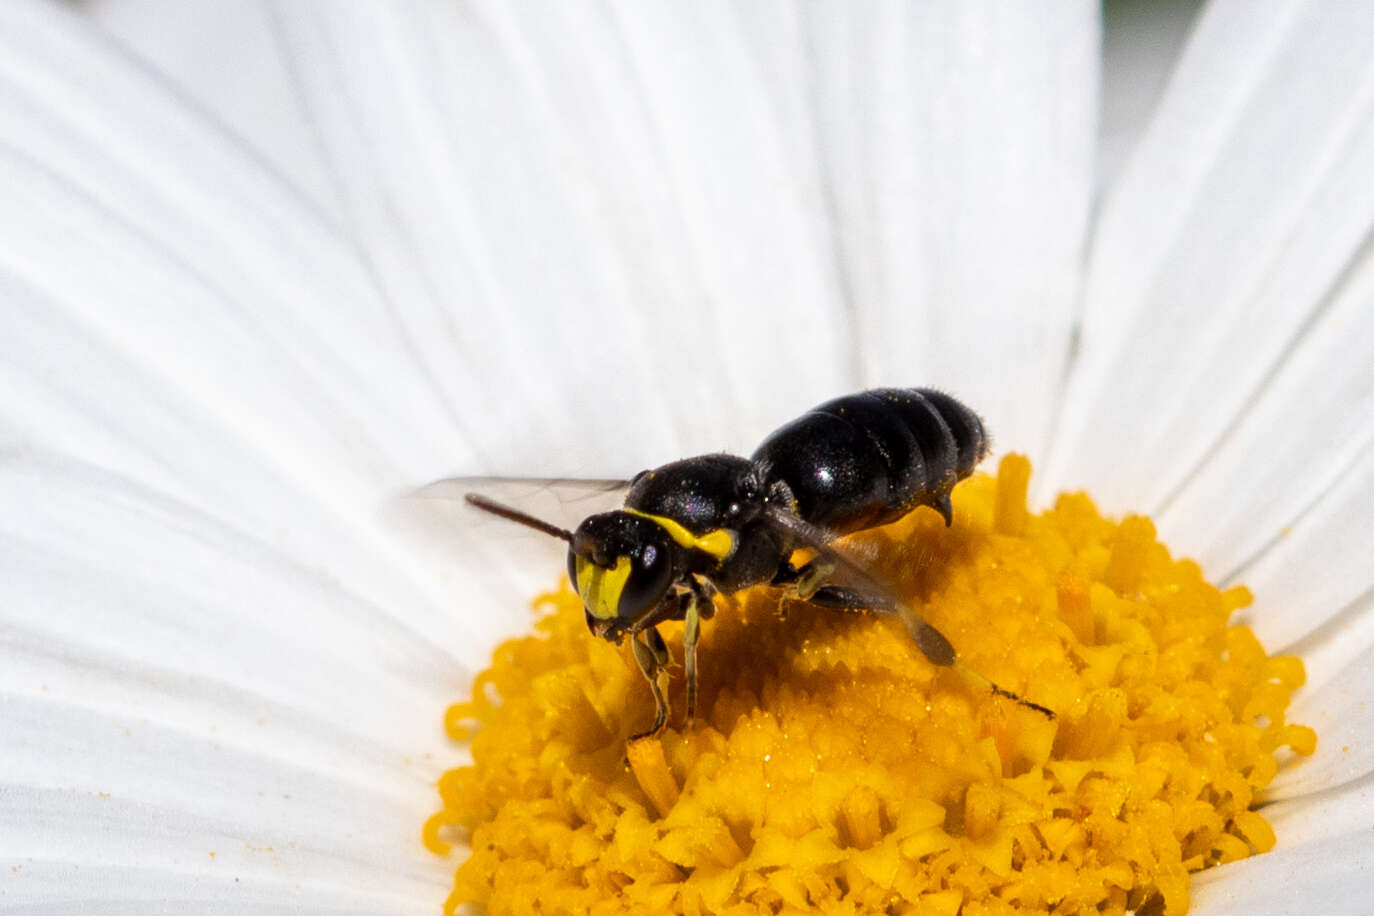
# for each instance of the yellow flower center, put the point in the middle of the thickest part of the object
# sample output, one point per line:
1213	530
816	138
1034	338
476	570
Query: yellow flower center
833	769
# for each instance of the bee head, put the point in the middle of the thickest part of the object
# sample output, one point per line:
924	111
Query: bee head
622	566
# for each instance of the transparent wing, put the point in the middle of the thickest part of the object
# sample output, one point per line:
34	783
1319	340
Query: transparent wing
491	566
440	511
563	502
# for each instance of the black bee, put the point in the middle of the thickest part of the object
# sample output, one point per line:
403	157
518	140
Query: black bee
720	523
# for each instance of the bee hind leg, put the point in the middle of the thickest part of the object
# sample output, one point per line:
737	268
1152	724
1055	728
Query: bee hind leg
804	583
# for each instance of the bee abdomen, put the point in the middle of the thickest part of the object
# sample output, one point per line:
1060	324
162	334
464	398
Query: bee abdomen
965	426
868	459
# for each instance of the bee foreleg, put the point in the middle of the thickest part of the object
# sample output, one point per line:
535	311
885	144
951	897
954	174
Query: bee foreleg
652	654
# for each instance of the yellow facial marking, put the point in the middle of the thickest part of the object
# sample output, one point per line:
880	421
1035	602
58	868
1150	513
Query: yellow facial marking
719	543
600	588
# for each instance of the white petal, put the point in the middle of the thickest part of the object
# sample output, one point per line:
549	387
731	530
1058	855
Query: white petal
595	218
1330	876
959	141
1141	44
174	689
240	822
693	191
1342	711
203	618
1285	501
94	152
1342	809
1243	205
226	59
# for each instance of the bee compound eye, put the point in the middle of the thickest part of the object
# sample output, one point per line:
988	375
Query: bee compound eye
649	580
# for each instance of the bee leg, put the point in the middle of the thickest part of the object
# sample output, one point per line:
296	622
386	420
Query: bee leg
786	574
652	654
945	506
690	634
811	577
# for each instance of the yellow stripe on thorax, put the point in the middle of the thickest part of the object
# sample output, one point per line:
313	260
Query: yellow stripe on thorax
719	543
600	588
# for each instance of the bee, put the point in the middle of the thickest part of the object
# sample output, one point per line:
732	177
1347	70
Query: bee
715	524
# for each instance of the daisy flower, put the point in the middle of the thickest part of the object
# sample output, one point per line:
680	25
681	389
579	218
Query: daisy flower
262	272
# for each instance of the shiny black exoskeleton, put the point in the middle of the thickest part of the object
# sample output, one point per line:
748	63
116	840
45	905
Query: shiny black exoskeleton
852	463
720	523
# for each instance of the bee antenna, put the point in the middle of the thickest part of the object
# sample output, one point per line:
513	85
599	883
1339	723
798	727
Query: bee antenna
478	501
1002	691
1016	698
